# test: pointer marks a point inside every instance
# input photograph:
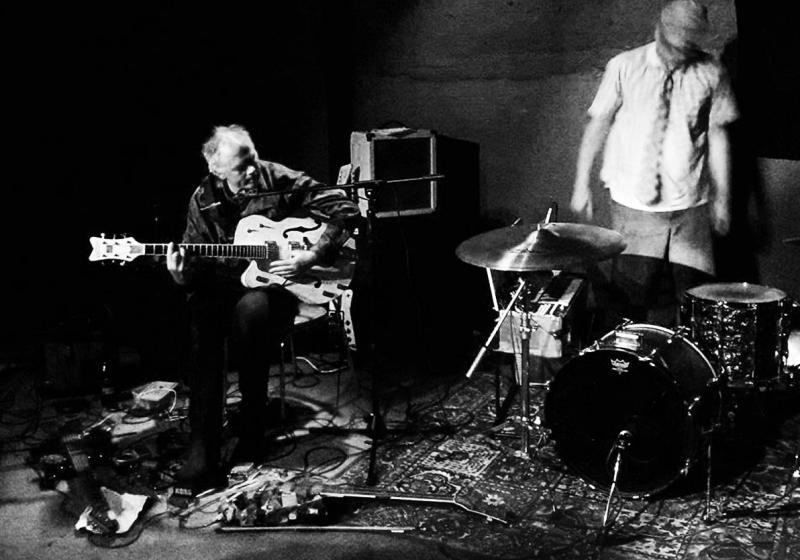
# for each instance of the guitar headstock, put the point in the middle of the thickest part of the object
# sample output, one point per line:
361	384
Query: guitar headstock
123	249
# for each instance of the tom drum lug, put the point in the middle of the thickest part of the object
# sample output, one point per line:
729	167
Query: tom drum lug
591	348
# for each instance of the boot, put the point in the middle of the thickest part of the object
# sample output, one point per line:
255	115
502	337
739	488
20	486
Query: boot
255	420
202	469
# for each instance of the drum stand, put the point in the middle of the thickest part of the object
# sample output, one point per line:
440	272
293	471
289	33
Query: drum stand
794	475
715	427
707	517
523	380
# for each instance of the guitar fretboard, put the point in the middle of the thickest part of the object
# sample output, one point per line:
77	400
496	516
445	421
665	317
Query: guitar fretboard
269	250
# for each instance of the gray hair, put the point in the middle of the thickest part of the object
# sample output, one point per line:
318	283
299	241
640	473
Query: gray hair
233	135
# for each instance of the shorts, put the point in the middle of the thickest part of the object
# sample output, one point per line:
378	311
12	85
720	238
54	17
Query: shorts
681	236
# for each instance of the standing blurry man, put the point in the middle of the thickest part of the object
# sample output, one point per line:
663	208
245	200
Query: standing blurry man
661	110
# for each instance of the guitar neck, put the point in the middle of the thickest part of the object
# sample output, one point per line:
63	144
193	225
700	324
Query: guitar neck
217	250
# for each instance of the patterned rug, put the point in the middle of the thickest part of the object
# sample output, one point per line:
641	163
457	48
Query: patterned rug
472	491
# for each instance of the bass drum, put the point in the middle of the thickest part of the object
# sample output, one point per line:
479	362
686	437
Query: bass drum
645	379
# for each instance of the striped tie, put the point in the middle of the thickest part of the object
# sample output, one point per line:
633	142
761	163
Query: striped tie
657	140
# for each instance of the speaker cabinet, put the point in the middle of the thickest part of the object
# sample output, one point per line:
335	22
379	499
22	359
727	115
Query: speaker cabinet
417	302
398	153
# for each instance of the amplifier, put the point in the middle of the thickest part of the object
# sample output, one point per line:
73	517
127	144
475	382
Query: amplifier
397	153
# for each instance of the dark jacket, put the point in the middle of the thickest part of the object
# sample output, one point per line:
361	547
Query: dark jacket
214	213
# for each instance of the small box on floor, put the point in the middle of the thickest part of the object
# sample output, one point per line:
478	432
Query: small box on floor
154	397
181	497
240	472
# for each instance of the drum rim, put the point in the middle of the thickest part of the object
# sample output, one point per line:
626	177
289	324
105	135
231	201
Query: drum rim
683	336
769	291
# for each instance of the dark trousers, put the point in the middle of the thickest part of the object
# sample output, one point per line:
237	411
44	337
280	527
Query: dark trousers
652	289
256	320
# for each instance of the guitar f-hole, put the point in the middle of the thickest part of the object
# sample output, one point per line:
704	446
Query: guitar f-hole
301	229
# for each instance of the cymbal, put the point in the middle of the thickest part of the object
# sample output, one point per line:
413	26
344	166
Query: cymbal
540	246
737	292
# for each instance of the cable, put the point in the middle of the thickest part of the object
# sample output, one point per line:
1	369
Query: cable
317	369
122	541
314	381
338	461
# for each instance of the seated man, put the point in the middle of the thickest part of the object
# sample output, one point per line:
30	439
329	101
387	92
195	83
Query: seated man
218	304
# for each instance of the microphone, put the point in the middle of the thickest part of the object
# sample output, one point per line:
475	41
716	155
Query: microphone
625	435
624	438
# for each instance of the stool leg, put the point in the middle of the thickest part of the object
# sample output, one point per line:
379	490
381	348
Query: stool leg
293	357
344	346
282	381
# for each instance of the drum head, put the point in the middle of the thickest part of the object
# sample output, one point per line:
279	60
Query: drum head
602	392
737	292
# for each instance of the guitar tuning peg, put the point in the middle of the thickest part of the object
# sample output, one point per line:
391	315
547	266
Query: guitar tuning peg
102	235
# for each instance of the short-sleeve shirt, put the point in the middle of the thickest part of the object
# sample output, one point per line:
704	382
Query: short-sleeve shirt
631	90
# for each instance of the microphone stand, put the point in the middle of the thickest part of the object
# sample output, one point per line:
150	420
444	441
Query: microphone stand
621	445
376	427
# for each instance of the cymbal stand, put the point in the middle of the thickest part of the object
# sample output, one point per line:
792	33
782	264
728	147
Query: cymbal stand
485	348
525	333
525	339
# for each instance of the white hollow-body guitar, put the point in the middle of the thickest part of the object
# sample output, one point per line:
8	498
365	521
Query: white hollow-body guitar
259	240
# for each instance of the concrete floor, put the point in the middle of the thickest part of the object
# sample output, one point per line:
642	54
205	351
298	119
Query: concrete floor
36	523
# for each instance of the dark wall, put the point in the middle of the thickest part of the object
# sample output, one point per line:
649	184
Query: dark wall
767	47
516	77
109	110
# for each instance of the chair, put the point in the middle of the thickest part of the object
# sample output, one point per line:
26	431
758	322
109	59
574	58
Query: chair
310	316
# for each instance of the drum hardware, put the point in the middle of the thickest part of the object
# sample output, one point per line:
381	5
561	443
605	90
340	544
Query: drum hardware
716	426
525	332
745	330
617	333
621	445
490	338
770	511
707	516
542	246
